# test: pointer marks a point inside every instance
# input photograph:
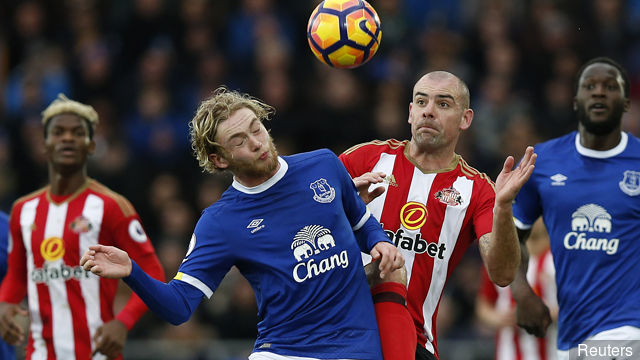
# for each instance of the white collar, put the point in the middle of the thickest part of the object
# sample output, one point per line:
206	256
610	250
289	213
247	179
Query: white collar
605	153
265	185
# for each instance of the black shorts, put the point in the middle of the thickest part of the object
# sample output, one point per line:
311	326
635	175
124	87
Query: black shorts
424	354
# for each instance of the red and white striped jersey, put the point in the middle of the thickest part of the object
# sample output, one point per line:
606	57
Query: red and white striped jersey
66	303
512	342
432	217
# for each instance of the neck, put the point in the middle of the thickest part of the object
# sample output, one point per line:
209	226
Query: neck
250	180
66	184
599	142
430	160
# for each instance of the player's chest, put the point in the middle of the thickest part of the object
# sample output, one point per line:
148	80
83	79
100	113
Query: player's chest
53	231
592	186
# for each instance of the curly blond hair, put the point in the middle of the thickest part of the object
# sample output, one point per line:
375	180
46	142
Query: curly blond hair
211	112
64	105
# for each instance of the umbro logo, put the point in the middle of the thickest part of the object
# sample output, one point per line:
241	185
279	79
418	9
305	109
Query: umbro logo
255	225
558	180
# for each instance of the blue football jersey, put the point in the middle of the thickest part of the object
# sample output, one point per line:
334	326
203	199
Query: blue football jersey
293	238
590	204
6	351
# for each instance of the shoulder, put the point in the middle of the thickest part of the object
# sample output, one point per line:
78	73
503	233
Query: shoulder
111	198
375	147
474	174
311	155
633	140
23	199
559	144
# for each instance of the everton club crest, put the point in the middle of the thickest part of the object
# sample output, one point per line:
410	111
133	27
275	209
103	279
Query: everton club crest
630	184
322	191
449	196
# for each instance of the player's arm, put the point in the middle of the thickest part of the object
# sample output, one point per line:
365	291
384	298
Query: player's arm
500	249
174	302
14	286
367	230
531	312
131	237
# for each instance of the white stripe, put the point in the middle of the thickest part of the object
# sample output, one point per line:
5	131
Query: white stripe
528	346
520	225
506	347
93	210
453	219
265	355
385	165
27	222
418	191
62	321
197	284
365	217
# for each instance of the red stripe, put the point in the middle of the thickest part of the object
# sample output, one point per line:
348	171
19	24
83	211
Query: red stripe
44	301
81	335
516	344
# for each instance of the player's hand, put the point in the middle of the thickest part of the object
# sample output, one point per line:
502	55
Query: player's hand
12	333
106	261
363	182
510	180
390	257
533	315
109	339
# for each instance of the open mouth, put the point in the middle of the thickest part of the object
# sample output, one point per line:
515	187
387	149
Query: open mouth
598	107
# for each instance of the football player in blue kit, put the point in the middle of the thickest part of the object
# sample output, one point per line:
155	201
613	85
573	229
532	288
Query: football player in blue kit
586	187
293	225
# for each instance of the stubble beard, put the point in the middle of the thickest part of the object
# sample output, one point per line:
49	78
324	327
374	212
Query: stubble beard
253	169
601	127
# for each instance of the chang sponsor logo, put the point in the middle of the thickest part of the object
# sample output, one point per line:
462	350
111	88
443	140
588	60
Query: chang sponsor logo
312	240
585	221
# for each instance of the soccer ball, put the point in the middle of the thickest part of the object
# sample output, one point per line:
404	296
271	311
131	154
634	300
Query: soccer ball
344	33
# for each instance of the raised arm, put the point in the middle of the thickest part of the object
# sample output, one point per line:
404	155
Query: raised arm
174	302
500	249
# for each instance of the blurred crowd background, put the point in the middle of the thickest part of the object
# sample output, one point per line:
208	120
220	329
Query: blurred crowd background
146	64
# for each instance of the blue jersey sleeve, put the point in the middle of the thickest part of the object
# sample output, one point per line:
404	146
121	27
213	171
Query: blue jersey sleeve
526	206
4	244
210	255
367	229
173	302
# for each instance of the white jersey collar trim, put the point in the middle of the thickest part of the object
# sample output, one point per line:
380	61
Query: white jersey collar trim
265	185
603	154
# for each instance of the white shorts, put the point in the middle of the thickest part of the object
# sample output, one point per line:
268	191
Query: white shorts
624	344
263	355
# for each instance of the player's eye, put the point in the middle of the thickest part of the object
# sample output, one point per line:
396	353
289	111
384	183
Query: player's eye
238	141
444	104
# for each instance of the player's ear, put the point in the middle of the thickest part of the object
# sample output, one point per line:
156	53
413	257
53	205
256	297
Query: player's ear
92	147
467	118
410	107
627	104
219	161
575	104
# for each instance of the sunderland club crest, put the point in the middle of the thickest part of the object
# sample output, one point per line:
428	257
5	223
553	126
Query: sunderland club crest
322	191
630	184
449	196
